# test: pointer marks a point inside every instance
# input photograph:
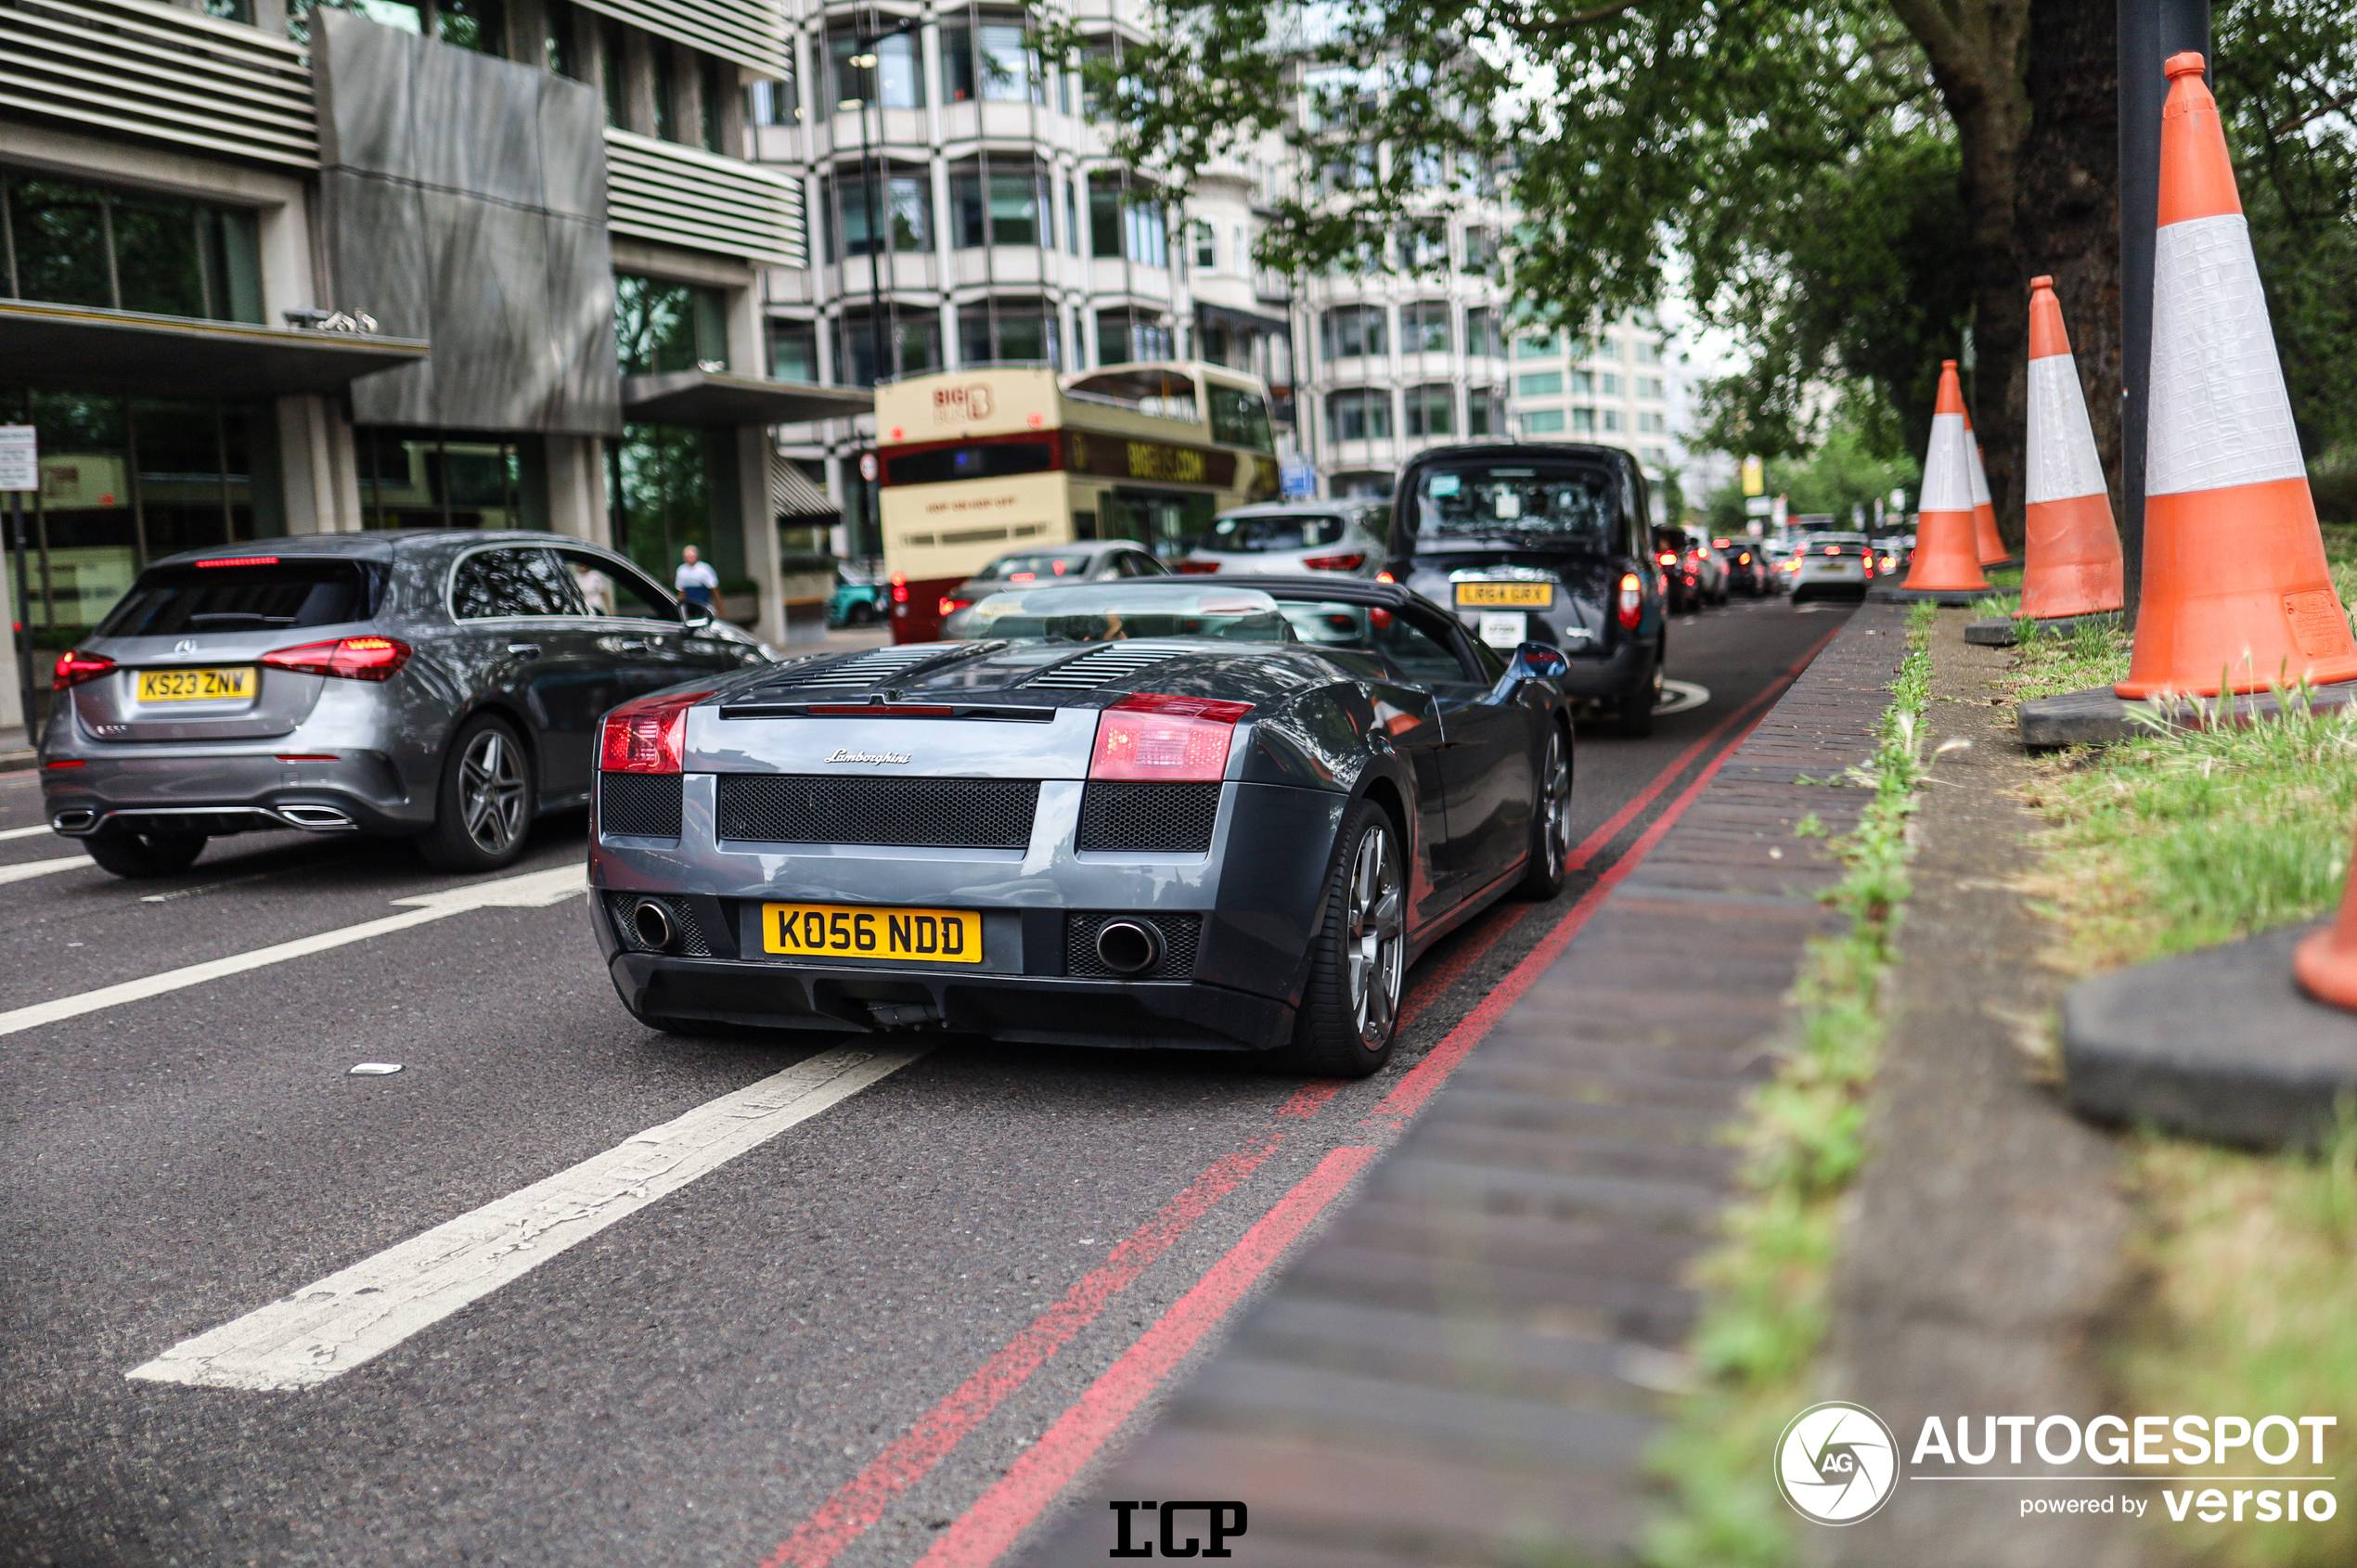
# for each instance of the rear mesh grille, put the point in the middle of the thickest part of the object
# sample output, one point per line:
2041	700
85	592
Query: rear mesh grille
1104	666
858	673
644	804
927	812
691	941
1157	816
1180	936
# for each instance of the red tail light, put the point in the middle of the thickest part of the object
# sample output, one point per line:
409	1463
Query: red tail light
1336	563
951	606
1632	600
1669	558
900	587
1744	559
1155	738
357	658
75	666
648	735
1386	577
241	561
1833	549
1196	568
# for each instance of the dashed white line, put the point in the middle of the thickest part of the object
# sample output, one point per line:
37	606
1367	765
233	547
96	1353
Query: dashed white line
6	833
326	1328
531	891
32	868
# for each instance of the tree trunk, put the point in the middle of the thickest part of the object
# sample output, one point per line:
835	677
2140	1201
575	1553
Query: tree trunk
2067	199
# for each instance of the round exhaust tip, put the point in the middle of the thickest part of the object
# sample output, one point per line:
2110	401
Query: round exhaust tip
651	923
1128	946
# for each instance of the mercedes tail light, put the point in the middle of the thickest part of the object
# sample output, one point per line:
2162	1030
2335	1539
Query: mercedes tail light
1196	568
355	659
1151	737
1632	608
75	666
1335	563
647	735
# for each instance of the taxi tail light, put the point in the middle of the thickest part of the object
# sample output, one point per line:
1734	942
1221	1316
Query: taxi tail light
1155	738
75	666
357	659
1632	600
951	606
1335	563
1669	558
648	735
1195	568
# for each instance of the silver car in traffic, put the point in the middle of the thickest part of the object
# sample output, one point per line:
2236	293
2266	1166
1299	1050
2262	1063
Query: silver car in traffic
1285	537
441	685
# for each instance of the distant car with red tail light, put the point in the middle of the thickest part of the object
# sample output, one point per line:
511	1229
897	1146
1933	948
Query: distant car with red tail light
1341	536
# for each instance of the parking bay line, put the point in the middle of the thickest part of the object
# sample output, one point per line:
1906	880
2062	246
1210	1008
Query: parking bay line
533	890
326	1328
32	868
6	833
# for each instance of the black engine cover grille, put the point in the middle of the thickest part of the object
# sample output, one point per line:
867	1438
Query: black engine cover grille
924	812
1158	816
1180	936
645	804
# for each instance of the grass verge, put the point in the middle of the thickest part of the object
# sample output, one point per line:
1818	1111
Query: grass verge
1765	1309
2184	840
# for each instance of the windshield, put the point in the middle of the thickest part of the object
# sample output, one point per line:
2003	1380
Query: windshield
1280	531
1116	611
1530	505
1033	566
265	595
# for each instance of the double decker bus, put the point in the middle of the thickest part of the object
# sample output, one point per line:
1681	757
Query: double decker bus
974	463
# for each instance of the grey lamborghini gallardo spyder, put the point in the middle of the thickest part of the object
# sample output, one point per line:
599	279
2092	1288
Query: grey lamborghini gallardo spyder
1148	813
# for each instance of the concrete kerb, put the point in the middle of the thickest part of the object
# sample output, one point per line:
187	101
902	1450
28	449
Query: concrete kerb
2004	631
2100	717
1947	598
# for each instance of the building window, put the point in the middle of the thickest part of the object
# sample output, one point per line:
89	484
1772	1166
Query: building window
480	25
1543	421
1485	412
1072	215
1104	214
1347	331
670	486
911	344
556	49
1017	209
1649	386
1000	331
1584	420
1431	410
1358	414
1124	336
1539	383
793	350
1608	383
1481	252
1583	382
456	478
1546	347
993	62
708	92
1654	456
1611	420
771	103
665	94
1646	349
901	206
896	80
613	69
662	327
1481	334
1423	245
1424	327
1653	424
78	244
1206	245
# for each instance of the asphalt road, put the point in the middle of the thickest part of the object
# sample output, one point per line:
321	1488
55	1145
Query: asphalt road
825	1350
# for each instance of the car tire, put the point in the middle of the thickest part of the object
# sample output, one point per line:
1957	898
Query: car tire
1549	823
861	614
1349	1017
128	853
484	809
1634	718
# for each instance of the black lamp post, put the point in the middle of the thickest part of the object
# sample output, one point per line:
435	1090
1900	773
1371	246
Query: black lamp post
869	59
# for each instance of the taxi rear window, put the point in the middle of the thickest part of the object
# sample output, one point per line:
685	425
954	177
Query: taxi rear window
262	596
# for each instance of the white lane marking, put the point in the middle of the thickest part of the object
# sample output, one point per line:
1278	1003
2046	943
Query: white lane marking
42	868
23	832
361	1312
533	890
1677	696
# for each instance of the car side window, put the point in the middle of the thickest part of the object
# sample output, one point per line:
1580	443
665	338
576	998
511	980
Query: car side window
1416	653
513	580
613	588
1151	566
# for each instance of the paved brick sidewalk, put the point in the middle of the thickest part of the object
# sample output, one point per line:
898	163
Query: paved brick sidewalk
1465	1368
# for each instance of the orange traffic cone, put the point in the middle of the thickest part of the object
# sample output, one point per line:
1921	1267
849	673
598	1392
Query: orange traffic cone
2236	596
1987	543
2325	962
2073	563
1945	557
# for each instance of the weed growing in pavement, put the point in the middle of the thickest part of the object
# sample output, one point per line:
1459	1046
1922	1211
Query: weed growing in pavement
1765	1310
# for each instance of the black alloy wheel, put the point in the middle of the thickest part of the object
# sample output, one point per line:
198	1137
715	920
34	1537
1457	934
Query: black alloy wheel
1349	1017
484	806
1549	823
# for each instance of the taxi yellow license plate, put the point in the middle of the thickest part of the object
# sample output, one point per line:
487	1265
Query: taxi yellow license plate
195	686
848	931
1521	595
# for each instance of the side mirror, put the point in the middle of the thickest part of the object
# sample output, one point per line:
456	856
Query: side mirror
694	616
1540	660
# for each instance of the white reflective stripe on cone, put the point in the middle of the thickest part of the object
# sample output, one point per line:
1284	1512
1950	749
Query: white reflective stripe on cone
1947	467
2061	460
2220	415
1979	474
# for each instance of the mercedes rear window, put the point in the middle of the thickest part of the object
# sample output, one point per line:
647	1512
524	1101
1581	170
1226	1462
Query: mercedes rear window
1280	531
260	595
1527	505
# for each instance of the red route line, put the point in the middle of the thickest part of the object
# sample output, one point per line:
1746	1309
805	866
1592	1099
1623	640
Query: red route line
999	1517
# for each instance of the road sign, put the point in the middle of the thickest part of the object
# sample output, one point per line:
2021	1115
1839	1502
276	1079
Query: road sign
1758	506
20	458
1298	479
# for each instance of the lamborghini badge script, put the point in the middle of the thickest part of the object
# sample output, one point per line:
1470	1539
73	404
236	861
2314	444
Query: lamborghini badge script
843	756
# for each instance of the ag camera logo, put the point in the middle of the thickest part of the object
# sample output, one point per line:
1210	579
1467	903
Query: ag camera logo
1836	1463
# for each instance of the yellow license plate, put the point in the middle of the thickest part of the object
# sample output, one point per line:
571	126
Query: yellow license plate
196	685
1520	596
849	931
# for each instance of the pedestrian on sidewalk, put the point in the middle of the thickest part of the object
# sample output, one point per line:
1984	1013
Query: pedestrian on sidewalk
695	580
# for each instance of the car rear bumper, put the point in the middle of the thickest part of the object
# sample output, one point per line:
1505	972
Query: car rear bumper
1186	1015
171	789
1607	677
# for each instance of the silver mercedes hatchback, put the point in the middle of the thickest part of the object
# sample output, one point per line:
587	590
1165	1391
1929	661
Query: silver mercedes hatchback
440	684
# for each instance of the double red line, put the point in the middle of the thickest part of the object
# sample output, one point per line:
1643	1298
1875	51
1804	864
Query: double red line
1009	1507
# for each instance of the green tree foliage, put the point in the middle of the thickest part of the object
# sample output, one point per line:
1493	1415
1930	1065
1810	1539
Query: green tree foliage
1847	469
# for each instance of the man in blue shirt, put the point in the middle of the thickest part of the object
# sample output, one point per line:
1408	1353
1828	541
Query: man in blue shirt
695	580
